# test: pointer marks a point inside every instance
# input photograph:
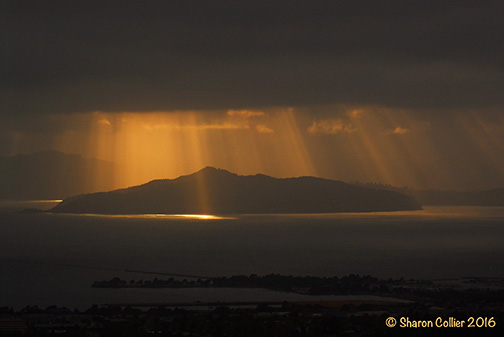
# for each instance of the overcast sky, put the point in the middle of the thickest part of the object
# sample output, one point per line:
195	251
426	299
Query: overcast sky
437	61
75	56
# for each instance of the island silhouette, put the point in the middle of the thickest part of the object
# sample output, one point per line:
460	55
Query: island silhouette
218	191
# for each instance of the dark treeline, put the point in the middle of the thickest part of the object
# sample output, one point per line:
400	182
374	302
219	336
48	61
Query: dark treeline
350	284
466	289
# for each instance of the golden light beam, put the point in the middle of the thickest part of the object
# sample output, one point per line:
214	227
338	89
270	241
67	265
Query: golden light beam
375	150
293	146
158	145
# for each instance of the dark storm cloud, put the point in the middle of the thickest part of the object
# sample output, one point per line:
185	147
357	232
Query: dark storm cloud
77	56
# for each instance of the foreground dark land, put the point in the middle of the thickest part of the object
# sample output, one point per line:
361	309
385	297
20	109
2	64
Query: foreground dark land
287	319
476	301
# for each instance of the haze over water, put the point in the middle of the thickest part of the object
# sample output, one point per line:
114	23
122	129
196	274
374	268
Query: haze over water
54	258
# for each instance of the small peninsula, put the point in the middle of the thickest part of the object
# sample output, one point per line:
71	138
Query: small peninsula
217	191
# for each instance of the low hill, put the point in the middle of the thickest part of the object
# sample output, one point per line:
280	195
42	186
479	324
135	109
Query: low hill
218	191
489	197
493	197
52	175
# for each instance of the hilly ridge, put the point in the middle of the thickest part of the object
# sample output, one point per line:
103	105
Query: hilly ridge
52	175
218	191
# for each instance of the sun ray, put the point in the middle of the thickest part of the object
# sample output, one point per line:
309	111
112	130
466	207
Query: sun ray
375	144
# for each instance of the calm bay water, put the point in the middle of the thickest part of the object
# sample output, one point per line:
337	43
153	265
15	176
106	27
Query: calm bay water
53	258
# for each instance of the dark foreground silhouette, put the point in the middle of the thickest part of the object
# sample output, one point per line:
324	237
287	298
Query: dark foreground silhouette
440	306
217	191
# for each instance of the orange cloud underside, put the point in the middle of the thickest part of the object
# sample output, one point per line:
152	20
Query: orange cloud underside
147	146
366	144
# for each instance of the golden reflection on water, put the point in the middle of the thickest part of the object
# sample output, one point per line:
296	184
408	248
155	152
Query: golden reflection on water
434	212
159	216
455	212
201	216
